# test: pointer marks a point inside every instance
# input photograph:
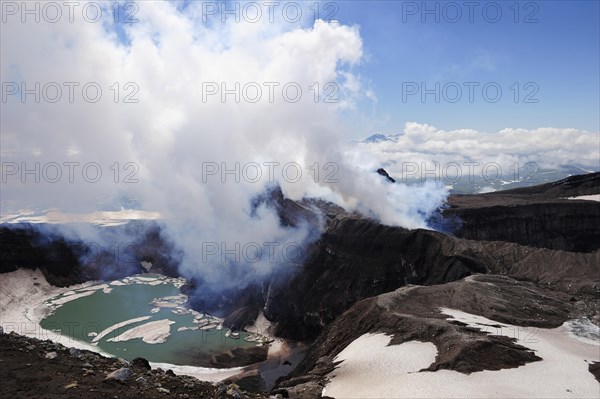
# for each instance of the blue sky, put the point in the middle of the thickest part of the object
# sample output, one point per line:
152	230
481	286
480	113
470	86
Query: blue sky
559	54
543	55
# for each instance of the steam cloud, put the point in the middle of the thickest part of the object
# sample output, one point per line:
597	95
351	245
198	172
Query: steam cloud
176	134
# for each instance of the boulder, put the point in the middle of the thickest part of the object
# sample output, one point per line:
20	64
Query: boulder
120	375
74	352
140	362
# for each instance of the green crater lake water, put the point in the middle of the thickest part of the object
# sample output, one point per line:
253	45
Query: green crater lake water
141	316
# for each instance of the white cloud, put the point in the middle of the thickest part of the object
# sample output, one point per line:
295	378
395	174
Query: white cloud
171	133
548	148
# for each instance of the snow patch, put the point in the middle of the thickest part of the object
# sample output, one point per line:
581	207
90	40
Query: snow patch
372	369
114	327
155	332
201	373
594	197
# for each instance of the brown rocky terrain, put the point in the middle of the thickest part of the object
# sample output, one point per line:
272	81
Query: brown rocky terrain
30	368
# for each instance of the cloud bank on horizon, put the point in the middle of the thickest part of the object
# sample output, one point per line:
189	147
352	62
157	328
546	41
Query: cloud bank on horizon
422	150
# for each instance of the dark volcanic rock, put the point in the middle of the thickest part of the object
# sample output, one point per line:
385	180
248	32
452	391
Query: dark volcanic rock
355	259
352	281
24	246
64	262
557	225
538	216
595	370
493	353
141	363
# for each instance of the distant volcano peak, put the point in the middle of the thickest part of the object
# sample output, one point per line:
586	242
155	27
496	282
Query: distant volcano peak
378	138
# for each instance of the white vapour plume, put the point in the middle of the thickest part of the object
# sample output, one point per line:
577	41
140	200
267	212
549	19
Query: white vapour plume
171	149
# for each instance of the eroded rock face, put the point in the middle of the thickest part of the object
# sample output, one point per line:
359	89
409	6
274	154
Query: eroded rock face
25	247
66	262
556	225
357	259
539	216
